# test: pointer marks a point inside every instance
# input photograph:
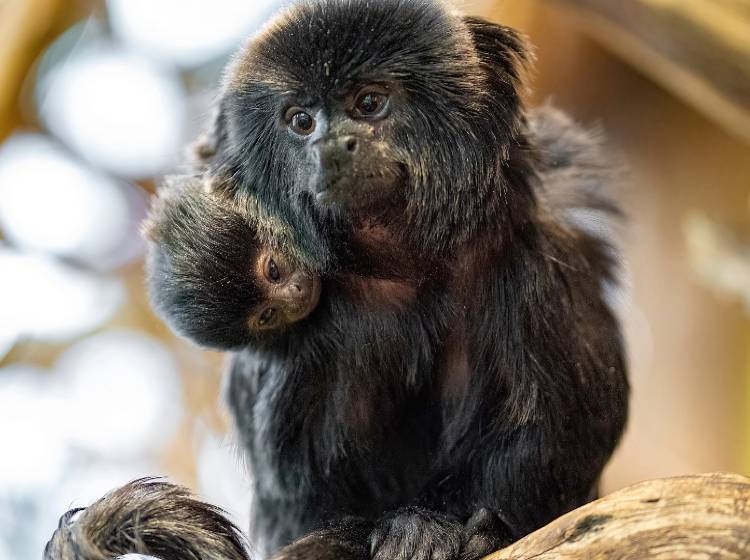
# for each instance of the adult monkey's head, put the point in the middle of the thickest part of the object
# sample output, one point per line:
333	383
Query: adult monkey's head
396	110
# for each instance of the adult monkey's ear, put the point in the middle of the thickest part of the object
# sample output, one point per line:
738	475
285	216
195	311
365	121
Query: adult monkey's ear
213	139
505	55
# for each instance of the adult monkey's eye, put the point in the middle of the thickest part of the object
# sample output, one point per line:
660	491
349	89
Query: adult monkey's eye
266	317
371	102
273	271
300	121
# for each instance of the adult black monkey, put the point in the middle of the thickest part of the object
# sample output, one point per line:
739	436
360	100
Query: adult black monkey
400	123
488	399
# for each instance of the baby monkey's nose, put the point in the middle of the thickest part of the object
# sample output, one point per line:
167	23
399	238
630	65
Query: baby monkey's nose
298	290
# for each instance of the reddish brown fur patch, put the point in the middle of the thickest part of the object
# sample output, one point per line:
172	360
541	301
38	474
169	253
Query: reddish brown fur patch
362	415
454	375
375	294
388	255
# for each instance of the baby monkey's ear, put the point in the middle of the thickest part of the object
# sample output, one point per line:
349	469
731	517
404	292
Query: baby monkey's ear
169	192
504	53
152	228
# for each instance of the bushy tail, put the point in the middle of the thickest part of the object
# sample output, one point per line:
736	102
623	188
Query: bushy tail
577	177
147	517
578	191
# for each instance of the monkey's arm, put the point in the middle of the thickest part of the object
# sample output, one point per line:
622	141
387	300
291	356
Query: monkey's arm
149	517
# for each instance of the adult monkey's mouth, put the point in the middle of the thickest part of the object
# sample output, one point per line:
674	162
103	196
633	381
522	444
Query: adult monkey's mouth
363	189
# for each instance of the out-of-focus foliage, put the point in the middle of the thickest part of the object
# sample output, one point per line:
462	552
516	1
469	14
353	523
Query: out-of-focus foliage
93	392
720	257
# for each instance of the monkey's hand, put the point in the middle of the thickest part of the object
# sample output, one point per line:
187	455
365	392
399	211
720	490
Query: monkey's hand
485	533
343	539
416	534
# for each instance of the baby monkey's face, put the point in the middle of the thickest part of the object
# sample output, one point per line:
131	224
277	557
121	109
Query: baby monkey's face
289	294
214	278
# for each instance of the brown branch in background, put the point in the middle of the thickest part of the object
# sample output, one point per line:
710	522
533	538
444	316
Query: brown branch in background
702	516
26	27
699	50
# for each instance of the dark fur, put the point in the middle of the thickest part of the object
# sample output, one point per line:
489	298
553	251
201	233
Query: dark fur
329	364
486	397
201	265
459	80
147	517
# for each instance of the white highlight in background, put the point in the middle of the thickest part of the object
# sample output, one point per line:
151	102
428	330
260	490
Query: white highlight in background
51	203
44	299
32	435
223	478
123	394
118	109
187	32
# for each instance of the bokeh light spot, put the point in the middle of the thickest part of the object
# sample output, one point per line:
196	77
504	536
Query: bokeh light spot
45	299
49	202
187	32
31	434
123	394
116	108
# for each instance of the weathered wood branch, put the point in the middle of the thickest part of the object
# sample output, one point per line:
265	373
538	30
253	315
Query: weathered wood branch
701	517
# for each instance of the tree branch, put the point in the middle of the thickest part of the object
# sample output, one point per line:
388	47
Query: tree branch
702	516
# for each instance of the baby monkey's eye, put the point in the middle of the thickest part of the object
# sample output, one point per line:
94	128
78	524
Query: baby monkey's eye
273	271
371	103
300	121
266	317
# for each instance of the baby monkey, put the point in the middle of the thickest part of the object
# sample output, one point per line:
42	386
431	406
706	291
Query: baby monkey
225	288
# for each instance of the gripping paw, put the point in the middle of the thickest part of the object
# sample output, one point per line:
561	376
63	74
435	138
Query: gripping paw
416	534
344	539
485	533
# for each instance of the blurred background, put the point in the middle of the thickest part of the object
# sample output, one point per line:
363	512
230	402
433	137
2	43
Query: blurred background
99	98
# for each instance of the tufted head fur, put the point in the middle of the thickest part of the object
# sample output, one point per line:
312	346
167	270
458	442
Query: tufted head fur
439	169
147	517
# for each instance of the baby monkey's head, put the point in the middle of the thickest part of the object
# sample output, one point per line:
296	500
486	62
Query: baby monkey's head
213	278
